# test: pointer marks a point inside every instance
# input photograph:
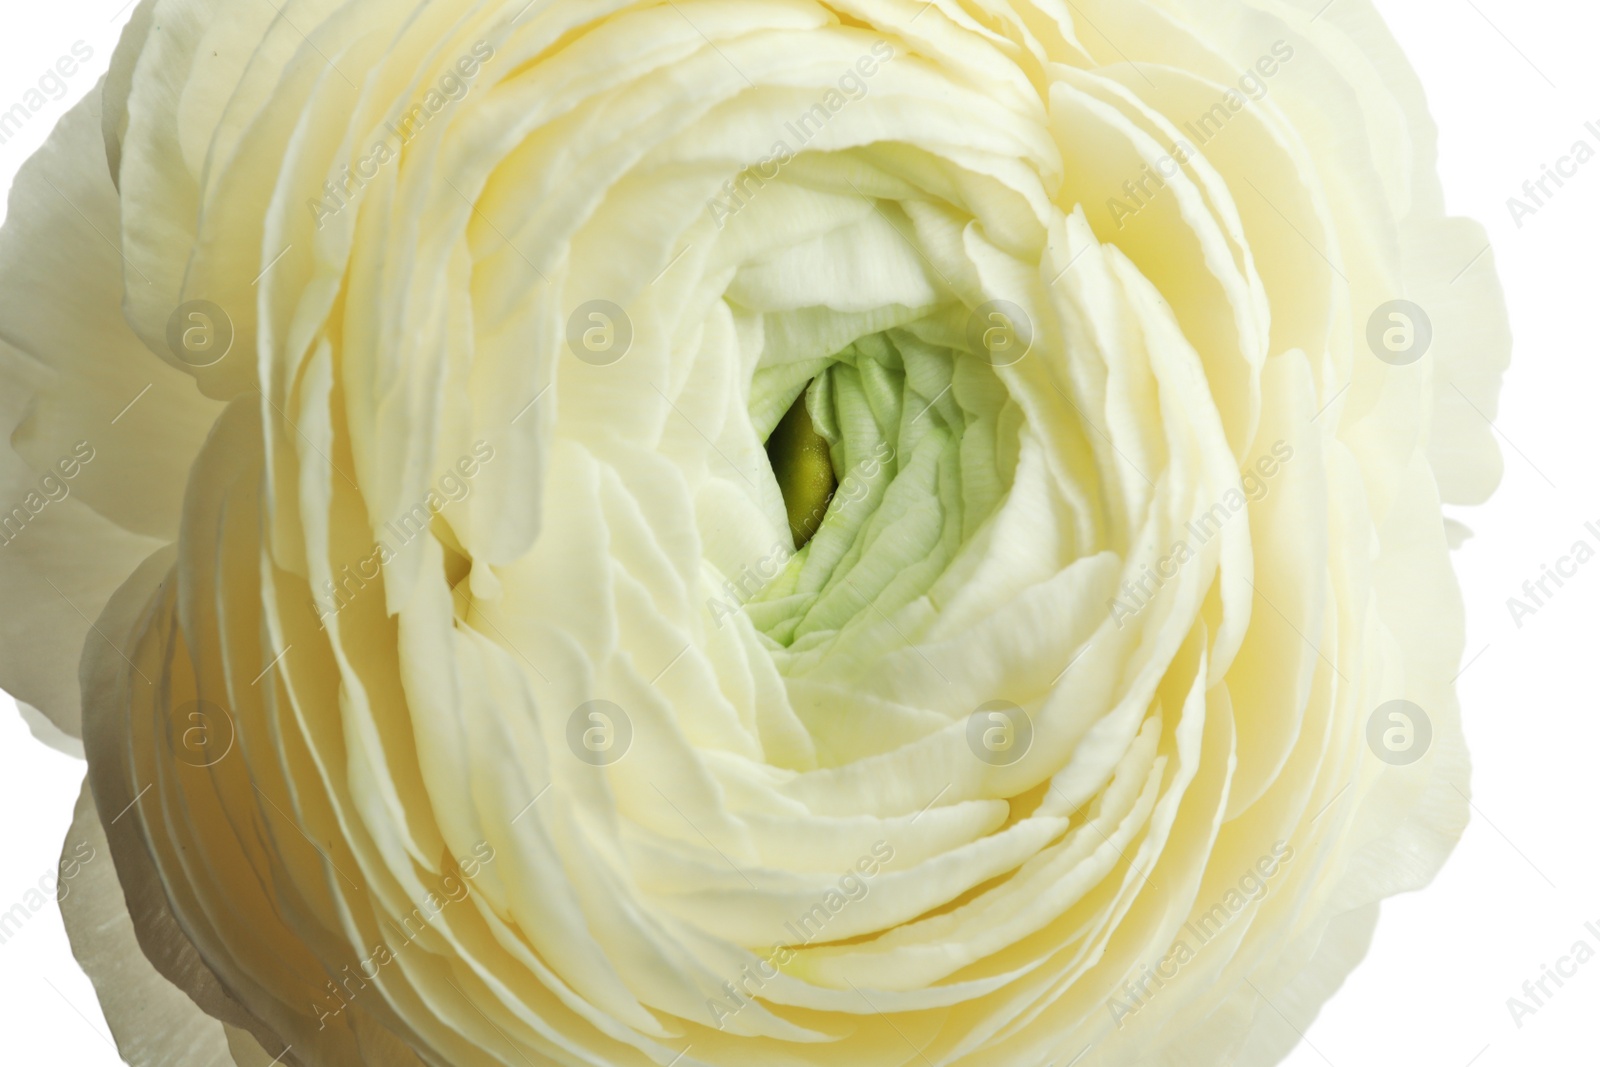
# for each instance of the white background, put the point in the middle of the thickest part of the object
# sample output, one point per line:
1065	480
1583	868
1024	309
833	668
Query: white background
1512	83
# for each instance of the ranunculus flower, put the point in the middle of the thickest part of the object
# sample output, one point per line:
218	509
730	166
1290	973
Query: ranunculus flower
742	533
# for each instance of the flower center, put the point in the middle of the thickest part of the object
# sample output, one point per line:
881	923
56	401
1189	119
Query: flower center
890	455
804	469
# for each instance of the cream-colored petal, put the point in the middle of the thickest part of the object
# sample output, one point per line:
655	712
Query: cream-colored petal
155	1024
551	742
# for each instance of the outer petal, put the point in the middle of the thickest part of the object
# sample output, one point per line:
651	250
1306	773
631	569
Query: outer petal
154	1023
62	325
410	726
63	338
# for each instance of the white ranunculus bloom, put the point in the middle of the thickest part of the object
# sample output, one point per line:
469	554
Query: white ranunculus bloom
742	533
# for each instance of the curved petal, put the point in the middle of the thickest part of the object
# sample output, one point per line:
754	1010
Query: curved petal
154	1023
100	432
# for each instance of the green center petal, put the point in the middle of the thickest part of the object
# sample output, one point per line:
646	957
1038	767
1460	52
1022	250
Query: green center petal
897	450
804	470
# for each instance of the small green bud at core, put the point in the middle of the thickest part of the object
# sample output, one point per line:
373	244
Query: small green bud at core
800	460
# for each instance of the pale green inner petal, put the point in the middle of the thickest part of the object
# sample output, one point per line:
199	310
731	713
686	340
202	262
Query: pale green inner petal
911	429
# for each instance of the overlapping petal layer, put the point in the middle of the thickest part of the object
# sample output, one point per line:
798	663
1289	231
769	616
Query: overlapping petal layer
486	711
